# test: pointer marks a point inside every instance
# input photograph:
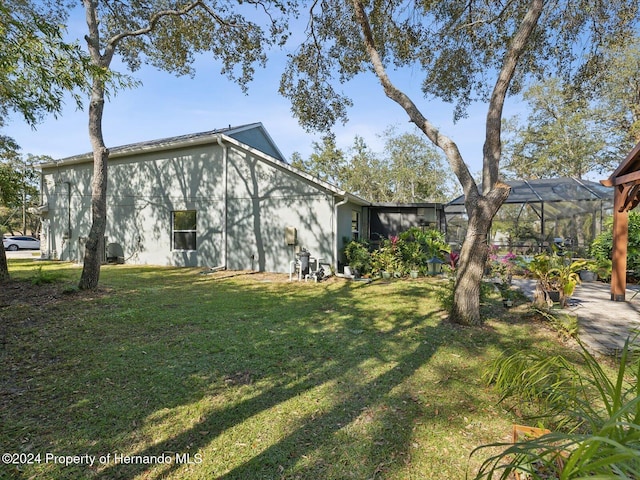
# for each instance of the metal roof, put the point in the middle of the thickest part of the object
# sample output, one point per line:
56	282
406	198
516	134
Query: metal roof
168	142
548	191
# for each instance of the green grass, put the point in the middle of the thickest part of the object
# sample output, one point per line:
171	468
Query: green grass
253	376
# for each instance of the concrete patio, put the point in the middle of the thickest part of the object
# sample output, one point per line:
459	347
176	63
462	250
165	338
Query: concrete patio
604	326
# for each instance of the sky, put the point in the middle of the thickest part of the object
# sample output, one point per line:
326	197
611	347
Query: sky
166	105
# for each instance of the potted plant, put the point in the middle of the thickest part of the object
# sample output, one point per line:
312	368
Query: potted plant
557	277
384	261
507	297
414	257
565	277
359	258
590	271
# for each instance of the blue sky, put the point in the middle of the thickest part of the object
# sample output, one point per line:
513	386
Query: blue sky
165	105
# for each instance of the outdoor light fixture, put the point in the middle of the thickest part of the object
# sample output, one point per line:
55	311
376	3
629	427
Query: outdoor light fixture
434	266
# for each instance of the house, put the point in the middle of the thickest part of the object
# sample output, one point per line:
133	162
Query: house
223	198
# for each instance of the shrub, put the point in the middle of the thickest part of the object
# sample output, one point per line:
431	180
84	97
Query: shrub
597	419
358	256
410	250
388	257
602	245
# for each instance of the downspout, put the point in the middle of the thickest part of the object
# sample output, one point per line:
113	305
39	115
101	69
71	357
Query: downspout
335	231
42	224
224	199
68	219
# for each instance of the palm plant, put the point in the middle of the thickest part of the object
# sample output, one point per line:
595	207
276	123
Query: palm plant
555	273
597	418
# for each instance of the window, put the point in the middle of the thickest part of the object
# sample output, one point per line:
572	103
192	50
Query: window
184	230
355	225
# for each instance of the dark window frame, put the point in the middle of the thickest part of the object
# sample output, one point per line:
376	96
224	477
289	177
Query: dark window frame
355	225
184	238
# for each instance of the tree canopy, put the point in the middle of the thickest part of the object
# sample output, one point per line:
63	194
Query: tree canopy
571	130
616	91
459	46
409	169
327	162
37	67
417	171
563	135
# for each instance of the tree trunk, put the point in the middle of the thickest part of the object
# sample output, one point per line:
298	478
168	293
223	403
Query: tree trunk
4	267
94	250
474	254
473	258
93	253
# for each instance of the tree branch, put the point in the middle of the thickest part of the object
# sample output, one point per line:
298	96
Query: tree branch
492	146
93	38
155	18
495	18
153	21
443	142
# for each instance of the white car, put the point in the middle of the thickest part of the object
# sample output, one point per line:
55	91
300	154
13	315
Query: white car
20	243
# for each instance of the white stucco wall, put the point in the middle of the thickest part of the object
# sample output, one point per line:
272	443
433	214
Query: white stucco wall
144	189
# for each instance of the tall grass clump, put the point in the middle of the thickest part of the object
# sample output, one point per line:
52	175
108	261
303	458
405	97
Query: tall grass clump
596	417
41	276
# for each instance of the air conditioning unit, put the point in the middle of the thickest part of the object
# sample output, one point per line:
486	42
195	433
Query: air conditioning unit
82	246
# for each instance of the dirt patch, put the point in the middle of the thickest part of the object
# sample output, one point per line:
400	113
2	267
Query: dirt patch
26	293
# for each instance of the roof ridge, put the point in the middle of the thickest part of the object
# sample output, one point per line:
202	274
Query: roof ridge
171	139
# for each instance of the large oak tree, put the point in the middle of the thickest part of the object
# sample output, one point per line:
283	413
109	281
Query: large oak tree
467	50
168	35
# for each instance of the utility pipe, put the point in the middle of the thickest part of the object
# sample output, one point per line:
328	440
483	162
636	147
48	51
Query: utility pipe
224	199
69	220
335	231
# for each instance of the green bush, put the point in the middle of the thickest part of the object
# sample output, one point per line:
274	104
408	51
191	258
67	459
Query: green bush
418	246
410	250
358	256
602	246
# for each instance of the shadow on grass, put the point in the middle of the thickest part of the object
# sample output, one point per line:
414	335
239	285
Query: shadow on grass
93	380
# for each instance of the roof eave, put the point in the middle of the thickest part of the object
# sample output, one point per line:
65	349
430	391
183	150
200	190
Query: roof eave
620	174
135	149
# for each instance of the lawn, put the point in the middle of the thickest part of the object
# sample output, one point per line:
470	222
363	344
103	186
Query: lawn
169	373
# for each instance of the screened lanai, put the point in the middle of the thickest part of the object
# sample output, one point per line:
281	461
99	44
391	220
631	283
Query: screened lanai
538	213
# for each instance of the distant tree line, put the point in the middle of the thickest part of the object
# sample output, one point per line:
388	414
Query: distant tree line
573	132
408	170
